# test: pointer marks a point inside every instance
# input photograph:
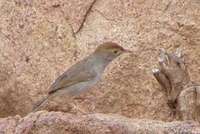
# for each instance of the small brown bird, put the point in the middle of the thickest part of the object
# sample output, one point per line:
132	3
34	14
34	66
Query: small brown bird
84	74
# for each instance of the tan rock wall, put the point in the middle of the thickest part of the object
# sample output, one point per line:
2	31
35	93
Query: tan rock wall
36	44
38	41
59	123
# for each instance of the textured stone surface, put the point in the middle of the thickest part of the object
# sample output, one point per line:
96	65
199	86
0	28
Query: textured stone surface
8	125
76	11
60	123
35	47
37	44
143	26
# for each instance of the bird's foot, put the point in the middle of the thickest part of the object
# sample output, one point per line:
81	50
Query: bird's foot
77	109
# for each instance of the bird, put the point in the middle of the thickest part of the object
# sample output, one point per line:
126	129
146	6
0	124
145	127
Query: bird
84	74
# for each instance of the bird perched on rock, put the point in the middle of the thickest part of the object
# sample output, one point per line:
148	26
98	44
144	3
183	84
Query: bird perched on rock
84	74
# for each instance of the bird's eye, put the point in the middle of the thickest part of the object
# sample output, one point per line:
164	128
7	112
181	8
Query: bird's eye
178	64
115	51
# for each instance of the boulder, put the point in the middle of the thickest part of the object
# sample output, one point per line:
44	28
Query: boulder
63	123
40	39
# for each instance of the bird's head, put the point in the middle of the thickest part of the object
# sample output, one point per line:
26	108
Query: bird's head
110	50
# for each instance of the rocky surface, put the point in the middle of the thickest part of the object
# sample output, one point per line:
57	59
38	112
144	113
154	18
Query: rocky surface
60	123
128	87
40	39
34	47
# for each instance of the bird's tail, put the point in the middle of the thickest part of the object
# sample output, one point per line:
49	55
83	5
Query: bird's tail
40	103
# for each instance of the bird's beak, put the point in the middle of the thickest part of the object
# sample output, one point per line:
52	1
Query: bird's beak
127	51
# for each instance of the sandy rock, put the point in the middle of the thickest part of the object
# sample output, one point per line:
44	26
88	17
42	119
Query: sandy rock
37	41
60	123
8	125
128	87
76	11
36	47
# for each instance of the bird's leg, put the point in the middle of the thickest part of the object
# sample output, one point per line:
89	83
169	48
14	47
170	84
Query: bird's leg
78	109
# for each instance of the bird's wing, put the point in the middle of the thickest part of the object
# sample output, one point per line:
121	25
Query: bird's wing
70	78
